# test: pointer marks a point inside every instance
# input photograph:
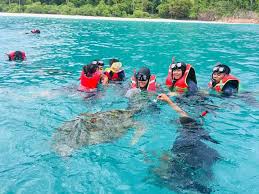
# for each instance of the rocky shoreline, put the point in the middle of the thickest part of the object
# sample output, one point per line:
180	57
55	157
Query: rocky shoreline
240	20
227	20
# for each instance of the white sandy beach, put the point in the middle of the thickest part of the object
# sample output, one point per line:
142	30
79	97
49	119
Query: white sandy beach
115	18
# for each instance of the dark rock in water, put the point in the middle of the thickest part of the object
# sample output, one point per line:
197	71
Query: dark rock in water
189	167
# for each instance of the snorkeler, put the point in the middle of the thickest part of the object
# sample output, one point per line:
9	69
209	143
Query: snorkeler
115	71
222	81
16	56
144	80
181	78
190	164
35	31
91	77
99	63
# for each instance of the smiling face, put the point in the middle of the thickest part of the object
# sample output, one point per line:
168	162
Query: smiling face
218	76
177	74
142	84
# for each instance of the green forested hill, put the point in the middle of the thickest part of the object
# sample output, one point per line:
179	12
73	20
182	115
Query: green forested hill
179	9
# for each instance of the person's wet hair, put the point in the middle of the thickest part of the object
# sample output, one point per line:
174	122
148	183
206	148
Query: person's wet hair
192	75
90	69
221	68
187	120
17	56
113	61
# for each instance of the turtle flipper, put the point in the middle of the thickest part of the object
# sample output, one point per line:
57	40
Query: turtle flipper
140	130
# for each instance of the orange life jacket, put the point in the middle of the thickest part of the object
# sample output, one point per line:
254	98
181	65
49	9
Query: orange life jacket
219	86
180	85
89	83
151	83
12	55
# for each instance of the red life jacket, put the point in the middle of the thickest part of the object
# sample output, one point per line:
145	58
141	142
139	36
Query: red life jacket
89	83
35	31
114	77
12	55
180	85
151	84
219	86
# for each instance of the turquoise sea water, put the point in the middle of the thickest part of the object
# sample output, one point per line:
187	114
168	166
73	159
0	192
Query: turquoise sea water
38	95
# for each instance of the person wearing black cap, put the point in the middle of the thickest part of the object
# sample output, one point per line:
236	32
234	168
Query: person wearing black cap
222	81
144	80
181	78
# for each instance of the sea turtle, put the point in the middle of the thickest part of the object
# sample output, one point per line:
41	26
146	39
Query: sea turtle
101	127
94	128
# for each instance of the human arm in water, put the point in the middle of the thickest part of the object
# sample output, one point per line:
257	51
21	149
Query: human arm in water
185	119
174	106
104	79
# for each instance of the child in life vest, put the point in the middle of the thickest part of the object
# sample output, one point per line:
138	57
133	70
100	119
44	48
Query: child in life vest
115	71
91	77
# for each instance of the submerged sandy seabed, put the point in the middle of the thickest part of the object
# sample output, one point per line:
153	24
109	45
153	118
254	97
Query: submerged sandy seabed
226	21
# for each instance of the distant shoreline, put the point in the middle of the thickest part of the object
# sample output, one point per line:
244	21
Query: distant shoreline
222	21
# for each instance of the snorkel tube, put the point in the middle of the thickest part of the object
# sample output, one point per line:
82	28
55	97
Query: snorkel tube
135	76
170	68
204	113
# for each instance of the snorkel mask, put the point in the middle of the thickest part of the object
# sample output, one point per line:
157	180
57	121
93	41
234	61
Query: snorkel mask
176	65
143	75
219	68
100	64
